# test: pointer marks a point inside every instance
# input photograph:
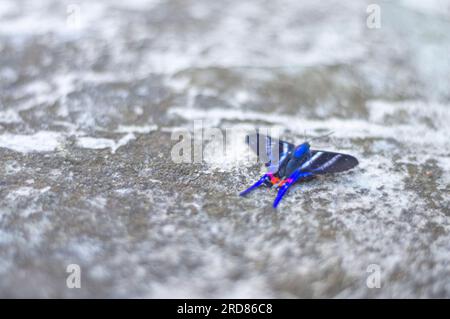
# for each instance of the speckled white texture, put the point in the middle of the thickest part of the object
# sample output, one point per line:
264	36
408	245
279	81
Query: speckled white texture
86	114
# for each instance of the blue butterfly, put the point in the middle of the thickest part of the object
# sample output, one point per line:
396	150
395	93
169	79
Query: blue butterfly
289	164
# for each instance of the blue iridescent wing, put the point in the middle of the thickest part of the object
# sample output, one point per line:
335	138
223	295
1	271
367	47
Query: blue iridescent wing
322	162
270	151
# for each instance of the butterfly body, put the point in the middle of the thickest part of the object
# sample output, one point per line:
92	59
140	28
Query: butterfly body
289	164
294	160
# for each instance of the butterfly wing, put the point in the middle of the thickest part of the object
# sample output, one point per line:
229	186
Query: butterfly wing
322	162
270	151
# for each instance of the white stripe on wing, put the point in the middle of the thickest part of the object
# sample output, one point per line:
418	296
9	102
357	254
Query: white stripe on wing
311	160
329	162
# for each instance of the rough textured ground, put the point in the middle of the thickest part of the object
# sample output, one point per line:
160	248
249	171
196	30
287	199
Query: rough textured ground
89	96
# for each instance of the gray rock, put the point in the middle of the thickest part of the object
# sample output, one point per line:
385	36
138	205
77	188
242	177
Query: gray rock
90	96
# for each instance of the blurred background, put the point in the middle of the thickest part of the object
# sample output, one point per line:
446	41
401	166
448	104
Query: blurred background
90	92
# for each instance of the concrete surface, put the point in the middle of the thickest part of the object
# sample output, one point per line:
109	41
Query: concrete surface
90	93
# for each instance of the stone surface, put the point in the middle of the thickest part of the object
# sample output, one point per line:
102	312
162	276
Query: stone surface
91	92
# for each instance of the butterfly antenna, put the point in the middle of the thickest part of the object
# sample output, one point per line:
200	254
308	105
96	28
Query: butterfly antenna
322	136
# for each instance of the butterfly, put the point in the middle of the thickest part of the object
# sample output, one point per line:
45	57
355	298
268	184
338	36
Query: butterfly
288	164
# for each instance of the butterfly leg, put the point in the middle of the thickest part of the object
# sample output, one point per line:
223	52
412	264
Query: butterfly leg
287	183
267	179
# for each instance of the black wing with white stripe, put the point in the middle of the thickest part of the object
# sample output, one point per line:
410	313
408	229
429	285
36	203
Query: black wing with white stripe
270	151
322	162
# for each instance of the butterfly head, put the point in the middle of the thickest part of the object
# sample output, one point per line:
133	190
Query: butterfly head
301	150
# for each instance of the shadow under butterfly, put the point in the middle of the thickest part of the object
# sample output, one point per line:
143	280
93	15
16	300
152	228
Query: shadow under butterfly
287	164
